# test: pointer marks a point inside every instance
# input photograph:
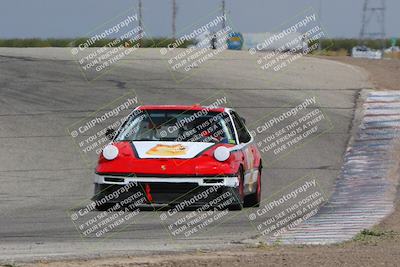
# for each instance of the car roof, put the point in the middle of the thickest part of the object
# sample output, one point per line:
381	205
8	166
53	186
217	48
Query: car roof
181	107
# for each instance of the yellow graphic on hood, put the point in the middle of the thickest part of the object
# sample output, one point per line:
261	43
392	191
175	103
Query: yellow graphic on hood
166	150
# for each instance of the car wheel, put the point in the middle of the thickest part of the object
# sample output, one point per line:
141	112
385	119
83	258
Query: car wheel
254	199
239	192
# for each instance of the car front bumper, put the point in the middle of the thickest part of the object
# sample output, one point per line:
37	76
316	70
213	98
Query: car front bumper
197	191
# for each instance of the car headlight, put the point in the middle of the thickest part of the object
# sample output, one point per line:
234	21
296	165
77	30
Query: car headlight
221	153
110	152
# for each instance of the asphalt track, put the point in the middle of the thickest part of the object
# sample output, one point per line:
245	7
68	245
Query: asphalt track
42	92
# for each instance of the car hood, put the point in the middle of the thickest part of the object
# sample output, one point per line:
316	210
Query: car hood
177	150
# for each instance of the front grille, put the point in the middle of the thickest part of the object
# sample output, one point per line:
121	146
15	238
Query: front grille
163	188
213	181
114	180
161	193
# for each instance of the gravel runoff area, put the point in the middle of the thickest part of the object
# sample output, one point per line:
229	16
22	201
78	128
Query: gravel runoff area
379	246
383	73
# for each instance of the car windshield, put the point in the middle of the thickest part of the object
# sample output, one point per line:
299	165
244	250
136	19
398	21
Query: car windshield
179	126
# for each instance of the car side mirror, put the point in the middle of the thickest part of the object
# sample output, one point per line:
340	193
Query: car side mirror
243	120
110	133
242	139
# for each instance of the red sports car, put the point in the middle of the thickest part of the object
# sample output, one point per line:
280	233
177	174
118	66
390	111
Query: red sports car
176	151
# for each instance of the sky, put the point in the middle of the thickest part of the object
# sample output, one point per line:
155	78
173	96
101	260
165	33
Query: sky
76	18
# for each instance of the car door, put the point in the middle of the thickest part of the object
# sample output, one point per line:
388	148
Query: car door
249	153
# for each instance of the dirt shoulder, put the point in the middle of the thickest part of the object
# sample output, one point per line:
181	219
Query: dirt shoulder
384	74
379	246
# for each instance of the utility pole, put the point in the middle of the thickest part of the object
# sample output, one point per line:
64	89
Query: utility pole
174	12
140	22
223	13
320	23
373	11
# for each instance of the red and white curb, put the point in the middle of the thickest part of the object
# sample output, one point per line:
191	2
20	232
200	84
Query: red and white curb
365	189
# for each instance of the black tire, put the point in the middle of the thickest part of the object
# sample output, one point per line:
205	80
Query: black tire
104	207
235	207
239	193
